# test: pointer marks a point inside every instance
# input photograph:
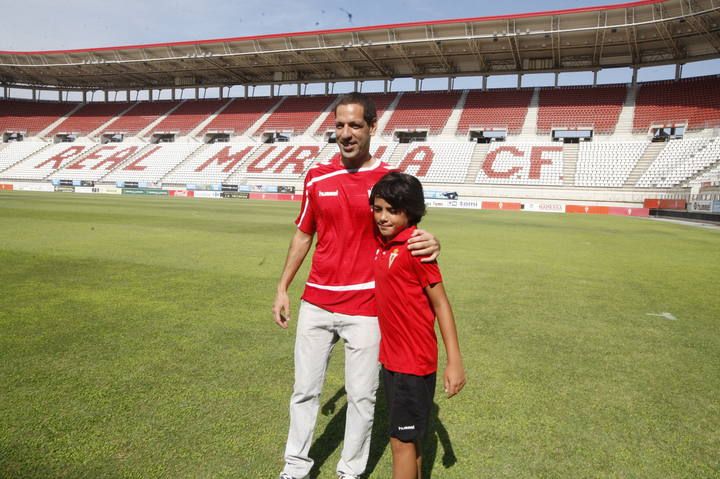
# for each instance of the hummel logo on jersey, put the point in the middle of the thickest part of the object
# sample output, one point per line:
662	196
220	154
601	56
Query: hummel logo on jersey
394	254
329	193
406	428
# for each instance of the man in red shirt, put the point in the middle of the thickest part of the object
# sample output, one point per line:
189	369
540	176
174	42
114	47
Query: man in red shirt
339	296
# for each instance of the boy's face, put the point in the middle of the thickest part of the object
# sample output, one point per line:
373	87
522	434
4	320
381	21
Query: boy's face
390	221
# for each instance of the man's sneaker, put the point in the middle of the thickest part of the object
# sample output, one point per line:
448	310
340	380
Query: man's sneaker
284	475
347	476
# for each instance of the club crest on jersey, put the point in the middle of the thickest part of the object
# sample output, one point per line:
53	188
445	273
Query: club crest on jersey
393	254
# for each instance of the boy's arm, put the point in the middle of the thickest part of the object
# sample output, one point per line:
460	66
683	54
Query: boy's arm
423	243
299	247
454	379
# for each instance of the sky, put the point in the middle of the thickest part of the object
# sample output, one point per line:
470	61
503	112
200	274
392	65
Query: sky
53	25
42	25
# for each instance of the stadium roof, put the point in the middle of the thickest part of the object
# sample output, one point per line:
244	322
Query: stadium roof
637	34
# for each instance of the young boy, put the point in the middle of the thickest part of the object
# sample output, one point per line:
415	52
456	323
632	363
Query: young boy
409	296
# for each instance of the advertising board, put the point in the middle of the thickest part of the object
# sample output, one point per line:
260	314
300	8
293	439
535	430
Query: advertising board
235	194
108	190
544	207
700	206
587	209
33	187
623	211
207	194
500	205
145	191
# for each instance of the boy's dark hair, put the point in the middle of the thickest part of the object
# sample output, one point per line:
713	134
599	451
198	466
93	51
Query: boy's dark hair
356	98
403	192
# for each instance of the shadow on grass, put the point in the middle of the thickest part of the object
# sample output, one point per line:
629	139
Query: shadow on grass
332	437
437	434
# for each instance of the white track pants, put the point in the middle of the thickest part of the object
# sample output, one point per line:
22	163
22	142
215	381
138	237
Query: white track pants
317	332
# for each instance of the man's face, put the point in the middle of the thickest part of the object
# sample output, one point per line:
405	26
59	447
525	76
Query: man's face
353	134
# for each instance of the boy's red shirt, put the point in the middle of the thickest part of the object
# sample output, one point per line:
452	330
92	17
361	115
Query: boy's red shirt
407	320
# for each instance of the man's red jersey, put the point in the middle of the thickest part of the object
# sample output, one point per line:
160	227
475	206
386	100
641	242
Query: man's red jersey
408	342
336	206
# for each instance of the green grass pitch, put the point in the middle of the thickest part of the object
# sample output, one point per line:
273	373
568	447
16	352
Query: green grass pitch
136	341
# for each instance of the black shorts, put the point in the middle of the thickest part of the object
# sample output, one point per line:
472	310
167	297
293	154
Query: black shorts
410	401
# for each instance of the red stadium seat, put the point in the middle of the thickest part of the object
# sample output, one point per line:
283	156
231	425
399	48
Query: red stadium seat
495	109
424	110
695	101
577	107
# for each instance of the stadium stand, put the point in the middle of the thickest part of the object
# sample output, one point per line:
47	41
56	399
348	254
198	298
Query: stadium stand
495	109
188	115
152	162
240	115
442	162
523	164
296	114
709	178
285	161
31	117
577	107
679	161
140	117
424	110
212	164
607	164
623	160
695	101
14	152
47	161
382	150
93	164
90	117
282	161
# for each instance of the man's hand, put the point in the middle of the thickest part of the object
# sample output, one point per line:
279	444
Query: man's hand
281	309
422	243
454	379
299	247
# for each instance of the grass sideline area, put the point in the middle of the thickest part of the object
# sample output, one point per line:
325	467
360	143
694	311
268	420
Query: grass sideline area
136	341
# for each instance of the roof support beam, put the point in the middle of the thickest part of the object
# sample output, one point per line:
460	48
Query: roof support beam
699	25
332	55
236	76
513	41
599	39
397	46
664	32
475	47
303	58
631	33
383	71
555	34
435	45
